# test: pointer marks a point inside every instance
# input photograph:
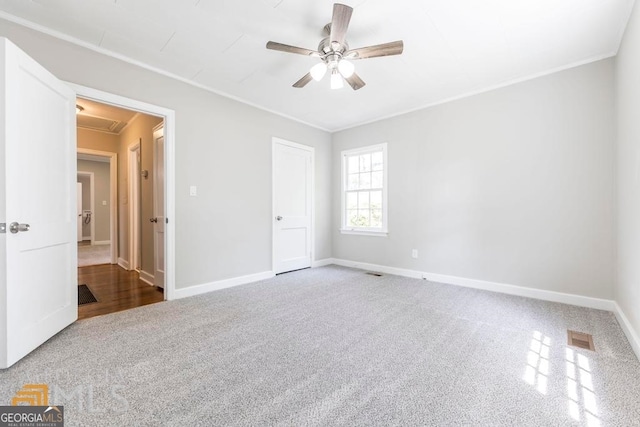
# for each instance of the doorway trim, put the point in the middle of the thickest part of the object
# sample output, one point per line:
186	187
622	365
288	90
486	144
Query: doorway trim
92	204
169	147
85	153
279	141
133	177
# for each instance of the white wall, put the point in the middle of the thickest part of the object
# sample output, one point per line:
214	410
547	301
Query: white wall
222	146
511	186
627	290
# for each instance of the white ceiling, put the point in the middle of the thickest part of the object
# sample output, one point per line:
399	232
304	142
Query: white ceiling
453	48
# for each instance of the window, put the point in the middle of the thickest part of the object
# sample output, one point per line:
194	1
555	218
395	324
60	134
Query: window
364	190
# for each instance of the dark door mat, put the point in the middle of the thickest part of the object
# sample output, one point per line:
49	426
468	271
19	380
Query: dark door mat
85	296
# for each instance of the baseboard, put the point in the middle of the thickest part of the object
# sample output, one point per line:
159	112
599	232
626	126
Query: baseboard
378	268
85	238
123	263
627	328
147	278
102	242
579	300
322	262
221	284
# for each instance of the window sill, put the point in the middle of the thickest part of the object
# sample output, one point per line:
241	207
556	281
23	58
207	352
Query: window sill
364	232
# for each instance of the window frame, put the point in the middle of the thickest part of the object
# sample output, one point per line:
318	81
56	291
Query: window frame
367	231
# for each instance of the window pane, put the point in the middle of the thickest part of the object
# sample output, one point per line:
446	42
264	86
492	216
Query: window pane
363	217
375	200
358	218
363	200
376	161
353	182
364	187
365	181
376	218
352	164
365	163
376	180
352	200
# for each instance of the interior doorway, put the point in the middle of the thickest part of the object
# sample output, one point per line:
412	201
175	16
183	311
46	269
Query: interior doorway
120	140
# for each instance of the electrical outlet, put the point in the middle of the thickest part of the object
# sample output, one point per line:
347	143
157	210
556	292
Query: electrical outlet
193	190
414	254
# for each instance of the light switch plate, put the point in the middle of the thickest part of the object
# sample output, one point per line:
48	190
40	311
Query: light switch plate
193	190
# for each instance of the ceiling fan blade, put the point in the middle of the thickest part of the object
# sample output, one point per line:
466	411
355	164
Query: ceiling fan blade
385	49
355	81
291	49
303	81
340	23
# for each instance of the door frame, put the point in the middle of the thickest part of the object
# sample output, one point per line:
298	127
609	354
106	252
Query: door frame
157	129
92	204
86	154
279	141
134	169
169	168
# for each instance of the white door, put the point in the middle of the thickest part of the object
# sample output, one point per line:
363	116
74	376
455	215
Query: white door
158	207
79	217
292	201
38	265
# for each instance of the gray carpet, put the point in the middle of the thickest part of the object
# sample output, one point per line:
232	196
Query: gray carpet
334	346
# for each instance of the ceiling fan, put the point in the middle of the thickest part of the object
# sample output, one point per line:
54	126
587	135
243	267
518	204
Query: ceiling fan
335	54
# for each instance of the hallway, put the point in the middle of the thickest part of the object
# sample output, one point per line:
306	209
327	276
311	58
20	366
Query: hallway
115	289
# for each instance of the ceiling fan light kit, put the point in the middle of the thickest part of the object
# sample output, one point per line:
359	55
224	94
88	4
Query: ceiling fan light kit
335	54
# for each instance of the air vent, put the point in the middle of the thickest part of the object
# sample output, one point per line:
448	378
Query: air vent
374	273
578	339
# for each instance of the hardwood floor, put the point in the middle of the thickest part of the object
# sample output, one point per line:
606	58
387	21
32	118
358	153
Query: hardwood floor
116	289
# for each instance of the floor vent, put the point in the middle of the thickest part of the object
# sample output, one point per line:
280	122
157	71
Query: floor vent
578	339
374	273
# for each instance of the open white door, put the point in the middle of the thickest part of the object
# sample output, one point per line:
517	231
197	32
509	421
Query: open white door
79	211
38	249
158	206
292	205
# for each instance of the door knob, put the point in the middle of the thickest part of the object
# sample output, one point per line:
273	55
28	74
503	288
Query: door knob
278	218
14	227
153	219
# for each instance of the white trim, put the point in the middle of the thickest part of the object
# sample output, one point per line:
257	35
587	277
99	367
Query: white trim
101	242
312	234
92	205
103	51
627	328
123	263
147	278
158	132
133	177
379	268
222	284
112	158
542	294
365	231
481	90
322	262
579	300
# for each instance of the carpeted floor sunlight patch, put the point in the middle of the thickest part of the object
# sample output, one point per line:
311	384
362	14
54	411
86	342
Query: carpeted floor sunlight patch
85	296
